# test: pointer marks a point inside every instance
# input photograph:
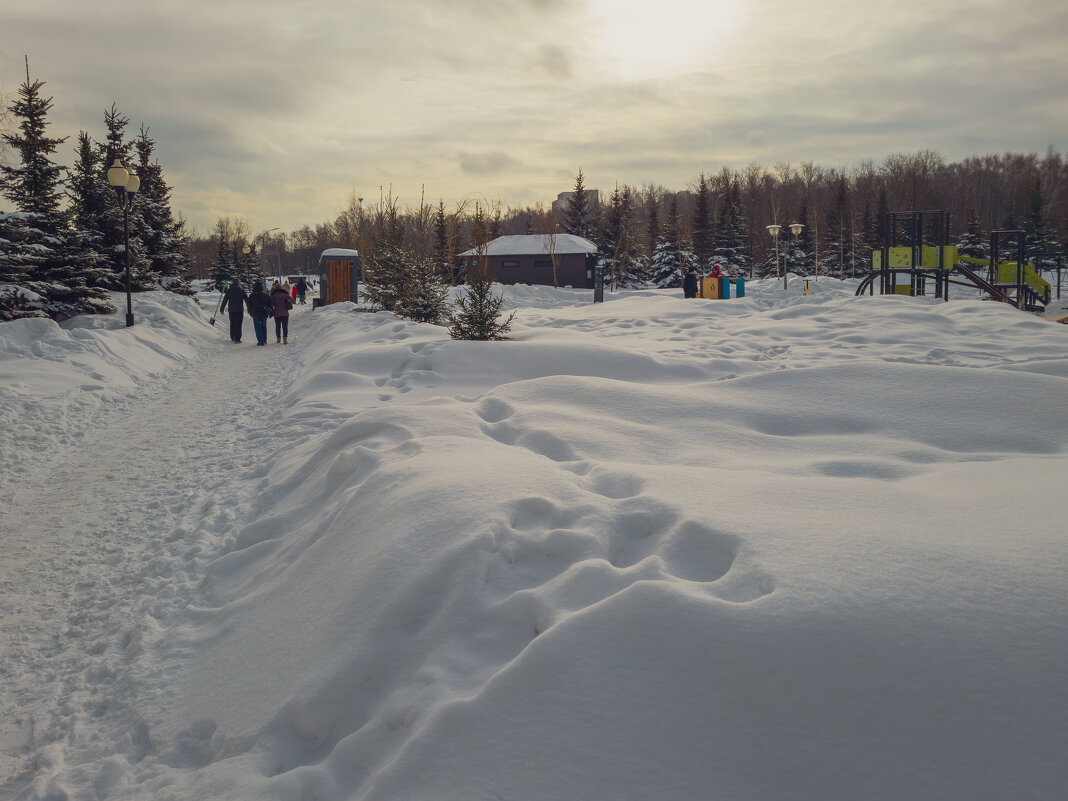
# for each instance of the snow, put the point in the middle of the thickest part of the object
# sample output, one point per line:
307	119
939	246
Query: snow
781	547
528	244
338	252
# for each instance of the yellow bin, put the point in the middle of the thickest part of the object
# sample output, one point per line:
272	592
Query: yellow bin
710	288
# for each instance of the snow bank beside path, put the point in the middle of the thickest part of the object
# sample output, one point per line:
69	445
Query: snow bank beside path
55	377
652	549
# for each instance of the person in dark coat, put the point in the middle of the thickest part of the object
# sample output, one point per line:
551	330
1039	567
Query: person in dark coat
281	304
302	290
233	303
259	307
689	283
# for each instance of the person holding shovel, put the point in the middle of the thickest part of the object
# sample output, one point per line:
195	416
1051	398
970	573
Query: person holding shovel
234	297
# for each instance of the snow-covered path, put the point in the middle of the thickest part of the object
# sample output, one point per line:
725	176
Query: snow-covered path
101	537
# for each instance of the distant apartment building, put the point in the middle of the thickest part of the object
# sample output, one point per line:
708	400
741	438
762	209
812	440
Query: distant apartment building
563	201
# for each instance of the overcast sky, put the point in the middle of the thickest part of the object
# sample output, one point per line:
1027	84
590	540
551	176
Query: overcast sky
280	110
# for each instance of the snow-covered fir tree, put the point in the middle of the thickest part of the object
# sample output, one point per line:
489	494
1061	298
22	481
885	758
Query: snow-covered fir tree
35	186
579	214
425	296
617	242
730	250
971	242
441	256
703	233
19	256
162	235
110	222
224	269
388	270
671	256
88	196
836	247
1043	245
477	312
799	247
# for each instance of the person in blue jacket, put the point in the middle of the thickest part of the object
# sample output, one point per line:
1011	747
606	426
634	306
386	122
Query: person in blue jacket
259	308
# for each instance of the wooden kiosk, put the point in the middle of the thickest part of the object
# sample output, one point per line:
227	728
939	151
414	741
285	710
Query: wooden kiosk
339	276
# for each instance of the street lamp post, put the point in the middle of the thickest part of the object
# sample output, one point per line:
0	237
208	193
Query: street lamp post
126	184
795	229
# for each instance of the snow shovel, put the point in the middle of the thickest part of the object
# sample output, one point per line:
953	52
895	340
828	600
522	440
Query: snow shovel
214	314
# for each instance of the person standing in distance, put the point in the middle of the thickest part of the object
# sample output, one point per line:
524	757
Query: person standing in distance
689	284
259	307
234	297
281	304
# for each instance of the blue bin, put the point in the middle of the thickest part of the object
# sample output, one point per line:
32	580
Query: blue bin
739	287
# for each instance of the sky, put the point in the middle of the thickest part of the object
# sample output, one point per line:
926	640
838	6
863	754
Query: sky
282	111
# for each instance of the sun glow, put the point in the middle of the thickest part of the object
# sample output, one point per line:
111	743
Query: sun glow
638	39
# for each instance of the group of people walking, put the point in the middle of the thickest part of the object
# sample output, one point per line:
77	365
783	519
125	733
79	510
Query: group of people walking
261	305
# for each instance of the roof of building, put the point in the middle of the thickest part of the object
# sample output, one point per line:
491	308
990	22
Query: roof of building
338	252
535	244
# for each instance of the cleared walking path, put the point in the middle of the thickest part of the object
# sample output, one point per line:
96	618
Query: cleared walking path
98	546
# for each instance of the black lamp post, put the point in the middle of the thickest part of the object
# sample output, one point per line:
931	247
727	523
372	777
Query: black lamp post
126	185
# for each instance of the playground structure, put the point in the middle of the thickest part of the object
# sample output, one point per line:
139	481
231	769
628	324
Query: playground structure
909	265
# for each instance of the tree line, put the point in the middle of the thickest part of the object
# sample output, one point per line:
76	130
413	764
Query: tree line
64	246
649	235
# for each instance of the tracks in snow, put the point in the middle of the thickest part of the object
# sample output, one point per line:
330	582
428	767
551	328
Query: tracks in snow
102	545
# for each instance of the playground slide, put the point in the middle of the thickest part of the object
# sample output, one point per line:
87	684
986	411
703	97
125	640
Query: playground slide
979	281
1006	276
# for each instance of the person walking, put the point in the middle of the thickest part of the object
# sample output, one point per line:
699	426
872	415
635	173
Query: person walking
281	303
259	308
233	303
301	290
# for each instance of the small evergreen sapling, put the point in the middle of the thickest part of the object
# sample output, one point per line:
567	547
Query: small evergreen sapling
478	311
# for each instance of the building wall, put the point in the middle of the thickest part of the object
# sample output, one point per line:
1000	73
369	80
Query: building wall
571	269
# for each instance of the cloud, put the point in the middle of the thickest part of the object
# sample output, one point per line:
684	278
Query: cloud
278	110
486	163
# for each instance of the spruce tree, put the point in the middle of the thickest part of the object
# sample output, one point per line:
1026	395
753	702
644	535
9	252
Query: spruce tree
164	246
425	298
388	273
35	187
732	235
578	217
702	223
835	246
442	258
971	242
477	312
88	196
224	269
671	257
110	223
616	242
18	258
